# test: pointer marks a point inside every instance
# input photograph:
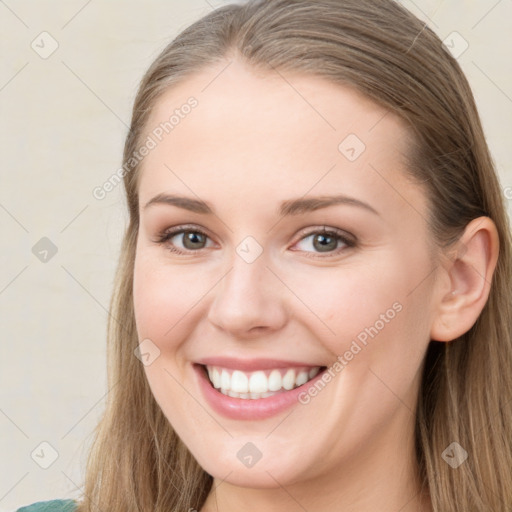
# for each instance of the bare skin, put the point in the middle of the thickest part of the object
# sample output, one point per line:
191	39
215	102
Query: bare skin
252	142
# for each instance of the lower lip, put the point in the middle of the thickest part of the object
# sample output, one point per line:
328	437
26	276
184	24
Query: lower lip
250	409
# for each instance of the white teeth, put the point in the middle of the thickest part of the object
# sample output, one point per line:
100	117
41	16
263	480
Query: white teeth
314	372
275	382
239	382
215	377
225	380
302	378
289	379
258	384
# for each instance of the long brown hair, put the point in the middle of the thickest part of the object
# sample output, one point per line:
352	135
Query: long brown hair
137	462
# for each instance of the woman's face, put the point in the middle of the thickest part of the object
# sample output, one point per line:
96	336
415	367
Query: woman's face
282	249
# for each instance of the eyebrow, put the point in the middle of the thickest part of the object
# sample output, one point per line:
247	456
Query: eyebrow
288	207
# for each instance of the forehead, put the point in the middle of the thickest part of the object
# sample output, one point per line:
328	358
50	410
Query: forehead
287	132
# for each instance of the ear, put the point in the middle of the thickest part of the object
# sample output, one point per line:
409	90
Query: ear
468	273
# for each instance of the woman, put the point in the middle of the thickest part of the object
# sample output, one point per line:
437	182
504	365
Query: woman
313	302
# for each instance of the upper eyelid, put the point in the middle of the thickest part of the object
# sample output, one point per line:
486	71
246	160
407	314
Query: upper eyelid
303	233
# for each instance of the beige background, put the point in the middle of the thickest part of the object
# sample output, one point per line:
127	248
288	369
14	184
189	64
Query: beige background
63	123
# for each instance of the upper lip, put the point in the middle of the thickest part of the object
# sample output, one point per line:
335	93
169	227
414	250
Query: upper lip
253	364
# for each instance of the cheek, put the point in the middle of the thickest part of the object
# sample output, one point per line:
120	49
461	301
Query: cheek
340	303
163	296
370	313
163	300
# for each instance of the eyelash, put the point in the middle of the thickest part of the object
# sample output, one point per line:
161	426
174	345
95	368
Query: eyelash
165	236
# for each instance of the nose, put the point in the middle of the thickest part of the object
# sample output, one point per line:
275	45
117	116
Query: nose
249	300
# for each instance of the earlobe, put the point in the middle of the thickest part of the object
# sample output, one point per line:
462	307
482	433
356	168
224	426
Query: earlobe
469	274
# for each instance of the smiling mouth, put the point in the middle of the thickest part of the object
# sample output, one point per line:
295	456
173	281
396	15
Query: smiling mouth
261	383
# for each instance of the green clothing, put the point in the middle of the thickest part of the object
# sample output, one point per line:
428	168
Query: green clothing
50	506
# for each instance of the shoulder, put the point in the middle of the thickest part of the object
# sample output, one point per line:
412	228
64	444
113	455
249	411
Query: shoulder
50	506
